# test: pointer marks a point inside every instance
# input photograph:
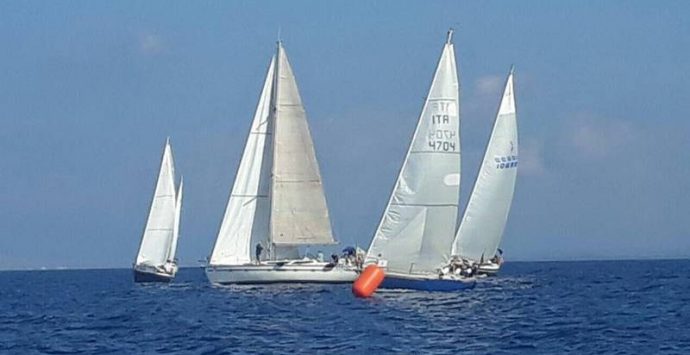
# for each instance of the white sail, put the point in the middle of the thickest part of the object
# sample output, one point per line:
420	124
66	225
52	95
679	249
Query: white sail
416	232
176	225
158	232
299	214
486	214
246	220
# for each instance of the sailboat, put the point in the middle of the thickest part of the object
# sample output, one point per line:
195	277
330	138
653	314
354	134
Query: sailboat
277	203
155	260
414	238
484	221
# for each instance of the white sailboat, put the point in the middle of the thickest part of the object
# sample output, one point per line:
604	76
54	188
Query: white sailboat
414	238
155	260
484	221
277	203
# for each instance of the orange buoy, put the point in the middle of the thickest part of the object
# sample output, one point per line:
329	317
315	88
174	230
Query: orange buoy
367	283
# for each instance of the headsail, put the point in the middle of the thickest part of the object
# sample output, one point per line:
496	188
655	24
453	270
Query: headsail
246	219
158	232
176	225
485	218
299	214
416	232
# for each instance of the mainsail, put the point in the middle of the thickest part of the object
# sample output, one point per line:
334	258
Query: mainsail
299	214
158	233
485	218
246	220
416	232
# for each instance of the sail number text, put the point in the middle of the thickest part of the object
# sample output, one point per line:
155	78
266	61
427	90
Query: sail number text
443	140
443	136
440	119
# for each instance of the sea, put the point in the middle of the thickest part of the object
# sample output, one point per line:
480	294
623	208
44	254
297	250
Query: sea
597	307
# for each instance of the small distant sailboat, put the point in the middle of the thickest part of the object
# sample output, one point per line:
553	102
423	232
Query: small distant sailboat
277	203
484	221
414	239
155	260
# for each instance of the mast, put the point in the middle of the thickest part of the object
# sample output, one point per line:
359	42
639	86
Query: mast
272	118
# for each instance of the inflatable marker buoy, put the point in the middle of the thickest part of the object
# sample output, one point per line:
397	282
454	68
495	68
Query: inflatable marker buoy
367	282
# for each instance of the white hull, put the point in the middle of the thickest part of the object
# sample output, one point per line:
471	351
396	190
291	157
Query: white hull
281	272
489	268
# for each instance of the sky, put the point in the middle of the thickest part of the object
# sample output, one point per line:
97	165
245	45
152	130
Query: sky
89	91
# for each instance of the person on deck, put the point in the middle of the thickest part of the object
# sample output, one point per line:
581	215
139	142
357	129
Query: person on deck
359	261
455	265
498	258
258	251
474	268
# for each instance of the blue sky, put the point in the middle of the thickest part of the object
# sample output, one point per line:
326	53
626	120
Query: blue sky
89	90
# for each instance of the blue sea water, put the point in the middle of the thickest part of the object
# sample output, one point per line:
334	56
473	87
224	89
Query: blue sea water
621	307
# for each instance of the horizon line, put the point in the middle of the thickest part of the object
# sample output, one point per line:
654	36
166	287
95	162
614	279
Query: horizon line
67	268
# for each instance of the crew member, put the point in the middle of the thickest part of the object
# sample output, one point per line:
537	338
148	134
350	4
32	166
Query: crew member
258	251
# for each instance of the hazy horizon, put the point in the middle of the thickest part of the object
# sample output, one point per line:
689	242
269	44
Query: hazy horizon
89	91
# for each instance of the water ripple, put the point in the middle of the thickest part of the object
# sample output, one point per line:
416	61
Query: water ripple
534	308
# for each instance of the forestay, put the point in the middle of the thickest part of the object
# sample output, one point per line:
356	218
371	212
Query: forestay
158	232
485	218
299	214
246	219
416	232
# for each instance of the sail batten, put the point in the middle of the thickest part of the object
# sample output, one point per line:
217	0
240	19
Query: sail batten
426	204
442	153
417	228
485	217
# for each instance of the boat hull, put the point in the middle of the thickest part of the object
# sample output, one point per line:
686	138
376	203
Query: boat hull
426	284
489	269
280	273
149	276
